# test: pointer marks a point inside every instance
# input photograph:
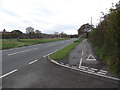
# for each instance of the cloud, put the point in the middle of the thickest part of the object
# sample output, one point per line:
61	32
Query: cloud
9	12
50	15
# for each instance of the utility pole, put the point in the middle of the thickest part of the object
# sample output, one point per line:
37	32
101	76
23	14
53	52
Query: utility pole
91	20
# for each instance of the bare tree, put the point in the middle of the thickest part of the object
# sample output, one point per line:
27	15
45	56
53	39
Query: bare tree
38	33
30	31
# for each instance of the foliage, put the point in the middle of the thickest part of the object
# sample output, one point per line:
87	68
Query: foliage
105	39
61	54
30	32
84	28
16	34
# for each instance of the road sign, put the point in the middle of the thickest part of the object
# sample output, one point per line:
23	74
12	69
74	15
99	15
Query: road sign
91	58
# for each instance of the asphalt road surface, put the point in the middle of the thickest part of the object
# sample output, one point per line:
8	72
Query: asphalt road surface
28	67
19	57
44	74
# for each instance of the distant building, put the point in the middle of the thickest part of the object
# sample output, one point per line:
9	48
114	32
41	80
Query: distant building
56	33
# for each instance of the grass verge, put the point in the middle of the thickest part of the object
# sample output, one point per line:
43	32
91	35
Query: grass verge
61	54
7	43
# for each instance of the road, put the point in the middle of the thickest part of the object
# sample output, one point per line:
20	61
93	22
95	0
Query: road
28	67
17	58
44	74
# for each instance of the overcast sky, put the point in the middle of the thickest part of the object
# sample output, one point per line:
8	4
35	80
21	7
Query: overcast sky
49	16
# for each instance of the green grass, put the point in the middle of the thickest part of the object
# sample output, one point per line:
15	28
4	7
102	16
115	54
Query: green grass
111	62
61	54
7	43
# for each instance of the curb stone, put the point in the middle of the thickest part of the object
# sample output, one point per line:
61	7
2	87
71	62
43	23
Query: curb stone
77	69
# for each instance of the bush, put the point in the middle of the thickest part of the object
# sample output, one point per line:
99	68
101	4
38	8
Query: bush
105	39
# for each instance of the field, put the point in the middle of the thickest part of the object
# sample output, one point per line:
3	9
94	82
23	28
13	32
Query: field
13	43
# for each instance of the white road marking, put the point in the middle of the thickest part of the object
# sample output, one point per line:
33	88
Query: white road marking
89	59
90	70
94	69
103	71
84	67
8	73
82	52
73	66
80	62
52	52
45	55
33	61
85	71
22	51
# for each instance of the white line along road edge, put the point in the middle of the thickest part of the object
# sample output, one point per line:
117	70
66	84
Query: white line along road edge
21	51
52	52
83	70
80	63
8	73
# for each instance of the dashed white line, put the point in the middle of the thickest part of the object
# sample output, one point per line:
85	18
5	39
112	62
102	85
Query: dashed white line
8	73
33	61
80	62
21	51
90	70
84	67
94	69
103	71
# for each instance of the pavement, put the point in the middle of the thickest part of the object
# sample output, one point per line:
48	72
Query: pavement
42	73
84	57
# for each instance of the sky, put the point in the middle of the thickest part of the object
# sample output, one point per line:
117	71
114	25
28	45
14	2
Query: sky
51	16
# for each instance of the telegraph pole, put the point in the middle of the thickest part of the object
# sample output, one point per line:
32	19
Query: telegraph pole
91	20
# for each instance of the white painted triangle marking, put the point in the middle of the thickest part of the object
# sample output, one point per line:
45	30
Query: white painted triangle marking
90	57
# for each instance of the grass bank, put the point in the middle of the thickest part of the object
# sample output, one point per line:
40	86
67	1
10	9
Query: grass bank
61	54
106	49
13	43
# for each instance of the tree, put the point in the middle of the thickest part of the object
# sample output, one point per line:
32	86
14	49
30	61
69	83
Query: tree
62	34
4	34
30	31
84	29
16	34
37	33
105	39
